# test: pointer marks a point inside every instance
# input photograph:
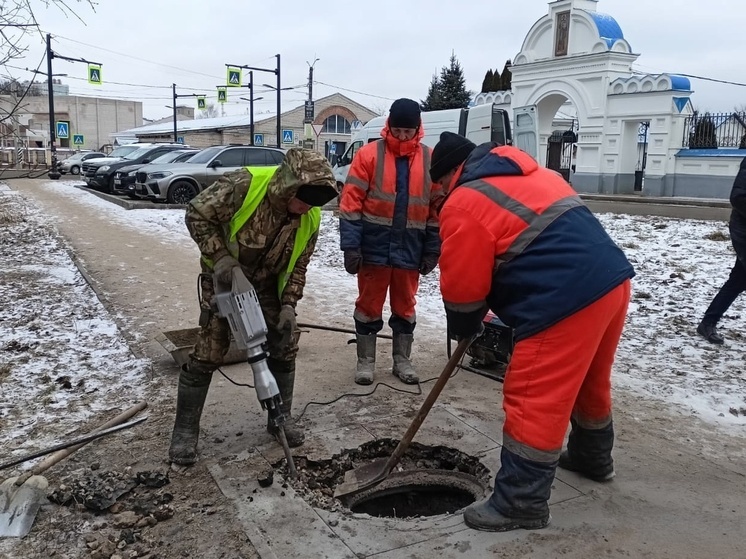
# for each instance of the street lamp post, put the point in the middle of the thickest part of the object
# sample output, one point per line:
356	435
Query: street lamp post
176	96
276	72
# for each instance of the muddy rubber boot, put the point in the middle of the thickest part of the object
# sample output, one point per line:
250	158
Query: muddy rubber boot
589	452
284	373
403	368
366	359
190	400
484	516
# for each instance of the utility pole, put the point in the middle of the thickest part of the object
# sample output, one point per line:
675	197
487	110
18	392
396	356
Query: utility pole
309	108
276	71
175	97
53	173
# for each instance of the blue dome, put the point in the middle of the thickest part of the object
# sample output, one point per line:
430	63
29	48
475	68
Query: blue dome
680	83
608	28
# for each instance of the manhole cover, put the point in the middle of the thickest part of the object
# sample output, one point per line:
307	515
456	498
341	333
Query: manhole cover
429	480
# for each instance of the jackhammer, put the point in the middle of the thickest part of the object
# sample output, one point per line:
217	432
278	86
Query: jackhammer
240	306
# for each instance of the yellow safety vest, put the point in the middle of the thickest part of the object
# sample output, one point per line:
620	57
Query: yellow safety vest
309	222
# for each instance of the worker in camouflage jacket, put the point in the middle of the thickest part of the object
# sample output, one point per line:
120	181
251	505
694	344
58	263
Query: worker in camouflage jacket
264	220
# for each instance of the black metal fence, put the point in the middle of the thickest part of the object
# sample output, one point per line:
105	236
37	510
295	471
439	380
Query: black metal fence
715	130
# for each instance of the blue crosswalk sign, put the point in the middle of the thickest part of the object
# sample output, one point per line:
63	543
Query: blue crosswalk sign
287	136
258	139
63	130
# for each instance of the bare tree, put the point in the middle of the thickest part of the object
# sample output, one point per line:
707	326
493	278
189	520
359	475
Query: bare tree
18	27
210	112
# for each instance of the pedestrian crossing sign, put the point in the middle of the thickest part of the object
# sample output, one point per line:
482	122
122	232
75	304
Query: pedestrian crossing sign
201	102
78	139
222	95
287	136
63	130
94	74
234	77
258	139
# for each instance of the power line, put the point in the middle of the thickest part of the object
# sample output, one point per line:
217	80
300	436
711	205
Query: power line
354	91
693	76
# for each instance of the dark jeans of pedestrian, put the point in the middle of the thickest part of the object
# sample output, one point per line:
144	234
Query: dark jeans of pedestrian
732	288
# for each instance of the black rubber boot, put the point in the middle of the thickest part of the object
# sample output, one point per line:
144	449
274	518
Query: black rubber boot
284	373
589	452
194	382
520	498
709	332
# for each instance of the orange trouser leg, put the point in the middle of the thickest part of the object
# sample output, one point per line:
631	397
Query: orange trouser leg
404	284
564	366
373	285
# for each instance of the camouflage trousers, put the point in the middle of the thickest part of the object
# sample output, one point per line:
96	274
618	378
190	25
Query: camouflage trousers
214	337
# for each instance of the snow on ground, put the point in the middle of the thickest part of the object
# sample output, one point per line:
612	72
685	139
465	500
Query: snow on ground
61	355
680	265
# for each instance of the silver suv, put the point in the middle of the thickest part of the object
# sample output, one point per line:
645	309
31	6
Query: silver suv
179	183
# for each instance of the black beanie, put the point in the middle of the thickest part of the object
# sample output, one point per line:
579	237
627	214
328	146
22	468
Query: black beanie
315	194
404	113
450	152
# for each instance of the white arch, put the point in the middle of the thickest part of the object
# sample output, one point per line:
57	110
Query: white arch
566	89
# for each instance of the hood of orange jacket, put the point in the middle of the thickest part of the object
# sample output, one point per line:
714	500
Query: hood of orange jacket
401	148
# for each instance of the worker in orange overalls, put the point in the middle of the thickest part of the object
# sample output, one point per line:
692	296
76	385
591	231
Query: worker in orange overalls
516	239
389	235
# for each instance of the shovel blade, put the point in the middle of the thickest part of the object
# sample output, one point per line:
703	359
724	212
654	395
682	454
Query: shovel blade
19	505
362	478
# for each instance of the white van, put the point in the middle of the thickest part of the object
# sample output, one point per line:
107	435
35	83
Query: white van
483	123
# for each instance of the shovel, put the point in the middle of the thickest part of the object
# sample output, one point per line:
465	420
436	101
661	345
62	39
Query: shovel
370	475
22	496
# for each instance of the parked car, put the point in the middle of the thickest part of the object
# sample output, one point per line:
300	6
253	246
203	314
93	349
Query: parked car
177	184
99	173
73	163
124	178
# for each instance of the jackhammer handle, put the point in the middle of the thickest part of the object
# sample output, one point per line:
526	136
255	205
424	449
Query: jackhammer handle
406	440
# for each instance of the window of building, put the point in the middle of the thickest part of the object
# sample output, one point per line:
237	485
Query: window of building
336	124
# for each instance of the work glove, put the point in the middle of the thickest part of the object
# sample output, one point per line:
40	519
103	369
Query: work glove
223	269
353	261
428	263
287	324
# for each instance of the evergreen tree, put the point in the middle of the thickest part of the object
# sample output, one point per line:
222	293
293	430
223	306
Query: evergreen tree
507	77
453	92
496	81
487	82
432	101
704	135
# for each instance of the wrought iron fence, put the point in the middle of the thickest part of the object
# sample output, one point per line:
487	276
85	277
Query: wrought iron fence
715	130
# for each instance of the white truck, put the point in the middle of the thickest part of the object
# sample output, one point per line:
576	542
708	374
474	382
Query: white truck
482	123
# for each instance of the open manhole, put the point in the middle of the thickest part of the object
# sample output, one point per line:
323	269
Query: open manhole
430	480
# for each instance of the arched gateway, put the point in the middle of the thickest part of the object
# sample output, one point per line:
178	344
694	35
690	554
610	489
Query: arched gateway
628	125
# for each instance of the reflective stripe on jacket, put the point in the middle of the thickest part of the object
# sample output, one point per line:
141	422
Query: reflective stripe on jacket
309	222
516	238
388	207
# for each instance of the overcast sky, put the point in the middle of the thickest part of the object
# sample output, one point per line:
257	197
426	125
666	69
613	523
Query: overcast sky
384	49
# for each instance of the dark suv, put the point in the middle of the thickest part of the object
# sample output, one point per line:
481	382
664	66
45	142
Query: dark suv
100	175
179	183
124	178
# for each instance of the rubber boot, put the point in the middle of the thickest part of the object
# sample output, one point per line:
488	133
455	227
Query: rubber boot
284	373
194	382
366	359
520	498
403	368
589	452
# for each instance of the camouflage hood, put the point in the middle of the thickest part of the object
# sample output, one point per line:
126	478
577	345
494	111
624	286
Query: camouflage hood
301	167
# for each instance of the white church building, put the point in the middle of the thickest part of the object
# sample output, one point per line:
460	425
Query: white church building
631	130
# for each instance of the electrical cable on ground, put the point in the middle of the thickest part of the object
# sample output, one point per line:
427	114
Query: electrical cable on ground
355	394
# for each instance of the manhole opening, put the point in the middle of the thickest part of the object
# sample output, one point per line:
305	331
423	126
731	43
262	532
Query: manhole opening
430	480
417	500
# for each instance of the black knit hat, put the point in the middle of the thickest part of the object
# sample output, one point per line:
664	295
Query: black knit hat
404	113
450	152
316	195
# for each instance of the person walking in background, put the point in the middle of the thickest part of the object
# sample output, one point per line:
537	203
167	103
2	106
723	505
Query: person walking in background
736	282
389	235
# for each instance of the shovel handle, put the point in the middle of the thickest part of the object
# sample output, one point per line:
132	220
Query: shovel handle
406	440
62	454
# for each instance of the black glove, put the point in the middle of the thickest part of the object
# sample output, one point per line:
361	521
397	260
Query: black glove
466	324
287	324
428	263
353	261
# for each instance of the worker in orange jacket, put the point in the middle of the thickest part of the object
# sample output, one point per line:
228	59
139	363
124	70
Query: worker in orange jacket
389	235
516	239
